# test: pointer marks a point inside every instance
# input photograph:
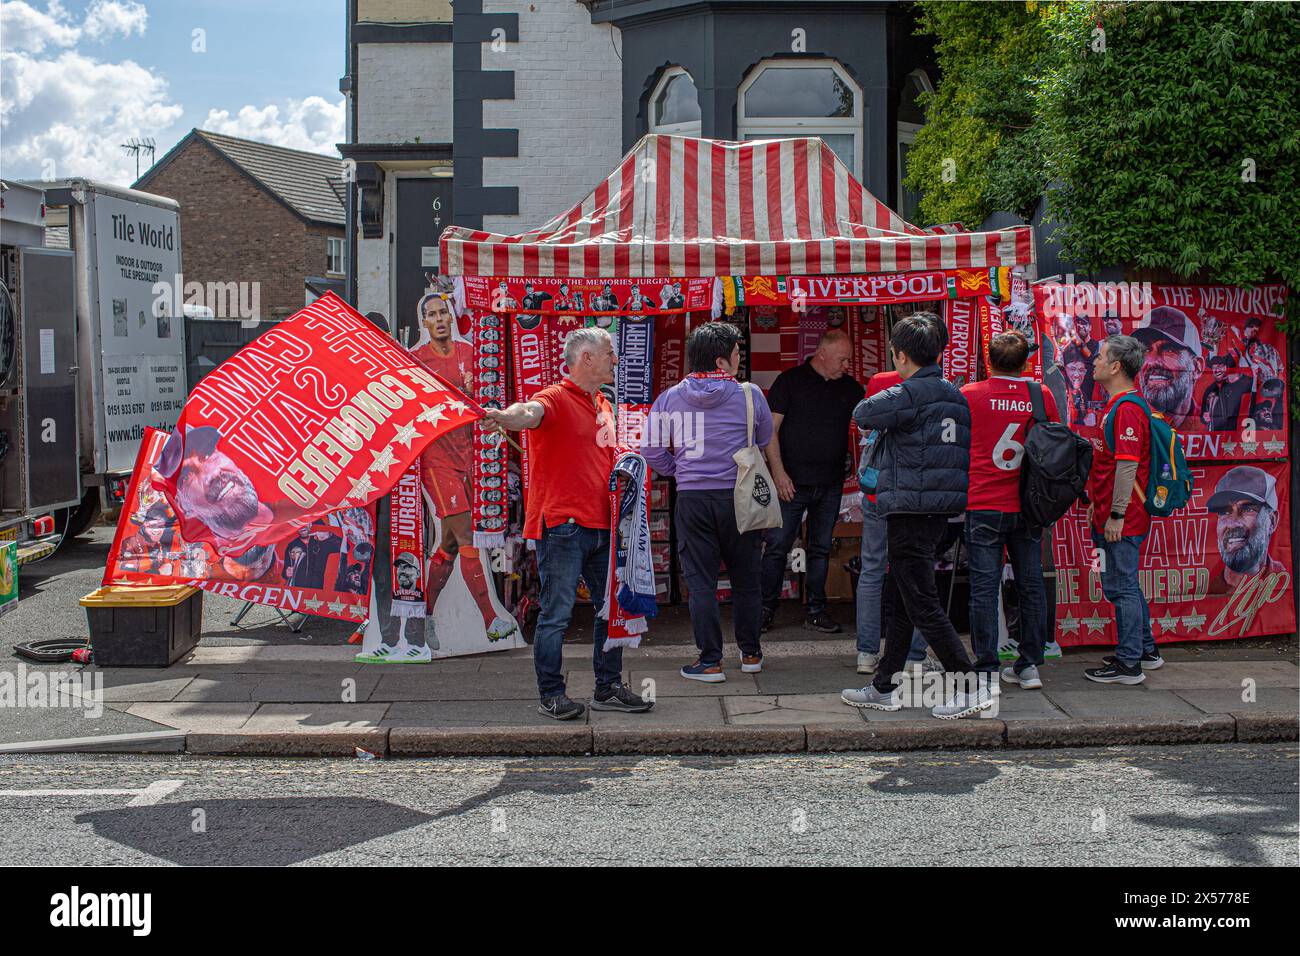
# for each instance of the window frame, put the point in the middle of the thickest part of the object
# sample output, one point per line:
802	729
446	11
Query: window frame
781	127
332	242
693	128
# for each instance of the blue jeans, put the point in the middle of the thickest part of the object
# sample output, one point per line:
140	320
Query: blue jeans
871	584
987	534
822	503
1119	582
565	552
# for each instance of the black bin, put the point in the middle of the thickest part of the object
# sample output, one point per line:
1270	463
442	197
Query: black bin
143	626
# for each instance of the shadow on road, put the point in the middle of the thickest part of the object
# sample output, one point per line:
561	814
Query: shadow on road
276	831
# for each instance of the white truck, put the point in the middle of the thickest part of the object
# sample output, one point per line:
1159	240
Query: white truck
96	353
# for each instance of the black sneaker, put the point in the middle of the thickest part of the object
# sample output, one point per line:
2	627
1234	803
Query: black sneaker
769	620
560	707
619	698
1149	661
1115	672
822	623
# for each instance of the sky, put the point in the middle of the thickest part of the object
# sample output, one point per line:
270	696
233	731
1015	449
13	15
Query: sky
80	77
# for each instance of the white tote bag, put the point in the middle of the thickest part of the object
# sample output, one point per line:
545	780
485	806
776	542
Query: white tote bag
757	505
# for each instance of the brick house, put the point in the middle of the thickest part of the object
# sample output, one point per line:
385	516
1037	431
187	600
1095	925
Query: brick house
251	212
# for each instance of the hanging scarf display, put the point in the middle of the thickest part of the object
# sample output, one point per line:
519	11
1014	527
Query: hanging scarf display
488	466
630	585
959	353
537	354
406	544
990	319
669	351
635	383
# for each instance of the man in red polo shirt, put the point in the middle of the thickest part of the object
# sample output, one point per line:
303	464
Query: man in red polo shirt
571	454
1118	520
1001	410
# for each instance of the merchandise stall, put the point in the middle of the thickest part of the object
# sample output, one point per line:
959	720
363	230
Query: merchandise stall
773	235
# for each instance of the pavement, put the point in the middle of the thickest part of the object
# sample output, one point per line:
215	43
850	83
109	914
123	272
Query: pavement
1133	806
265	691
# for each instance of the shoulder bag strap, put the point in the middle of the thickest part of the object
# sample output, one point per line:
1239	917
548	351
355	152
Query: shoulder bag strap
749	414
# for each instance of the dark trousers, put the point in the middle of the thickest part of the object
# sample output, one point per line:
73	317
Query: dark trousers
707	537
988	534
911	541
822	504
565	553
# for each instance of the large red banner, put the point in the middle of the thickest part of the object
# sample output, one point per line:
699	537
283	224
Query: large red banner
319	413
1220	568
322	568
1215	366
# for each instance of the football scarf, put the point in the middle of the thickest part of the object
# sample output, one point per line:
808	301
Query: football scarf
406	544
488	507
537	354
634	391
630	585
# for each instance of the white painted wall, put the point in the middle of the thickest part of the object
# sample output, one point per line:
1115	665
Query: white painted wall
404	92
375	260
567	108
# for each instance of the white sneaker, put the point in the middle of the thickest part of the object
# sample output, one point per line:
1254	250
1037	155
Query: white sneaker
1051	651
413	655
1027	678
870	697
1009	650
962	704
502	627
867	662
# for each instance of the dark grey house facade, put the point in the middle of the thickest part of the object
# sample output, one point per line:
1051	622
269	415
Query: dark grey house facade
500	114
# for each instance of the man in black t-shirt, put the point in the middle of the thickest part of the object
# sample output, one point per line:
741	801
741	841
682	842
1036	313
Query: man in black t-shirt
812	405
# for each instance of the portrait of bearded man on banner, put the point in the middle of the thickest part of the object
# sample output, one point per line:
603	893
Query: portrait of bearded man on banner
445	470
1173	366
212	488
1245	500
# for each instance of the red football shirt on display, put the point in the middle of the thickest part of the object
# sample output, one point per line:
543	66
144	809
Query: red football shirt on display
1132	443
1000	412
571	455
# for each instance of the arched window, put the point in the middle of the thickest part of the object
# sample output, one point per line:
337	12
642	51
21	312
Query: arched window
675	104
804	98
910	120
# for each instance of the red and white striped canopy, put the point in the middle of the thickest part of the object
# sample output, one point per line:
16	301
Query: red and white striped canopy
678	206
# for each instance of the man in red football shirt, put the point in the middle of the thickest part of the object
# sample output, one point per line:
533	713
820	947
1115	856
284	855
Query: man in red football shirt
1001	413
1118	520
445	468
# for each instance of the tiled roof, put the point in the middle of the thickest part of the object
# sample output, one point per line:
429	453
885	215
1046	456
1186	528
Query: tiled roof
299	179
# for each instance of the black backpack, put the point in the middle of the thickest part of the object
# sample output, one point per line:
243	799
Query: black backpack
1054	469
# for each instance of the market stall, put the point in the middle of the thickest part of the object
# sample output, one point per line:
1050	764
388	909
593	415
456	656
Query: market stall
774	235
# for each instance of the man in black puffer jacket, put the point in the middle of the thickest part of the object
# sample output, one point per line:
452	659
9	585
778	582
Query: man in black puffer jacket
923	464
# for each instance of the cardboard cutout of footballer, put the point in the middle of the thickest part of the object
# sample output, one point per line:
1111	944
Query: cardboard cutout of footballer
465	615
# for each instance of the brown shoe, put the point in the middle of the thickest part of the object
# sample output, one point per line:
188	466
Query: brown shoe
751	663
708	673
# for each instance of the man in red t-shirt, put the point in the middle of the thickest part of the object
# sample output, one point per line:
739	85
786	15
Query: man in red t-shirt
571	453
1116	514
1001	413
445	469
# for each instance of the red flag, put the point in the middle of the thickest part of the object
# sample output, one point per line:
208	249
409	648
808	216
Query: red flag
321	412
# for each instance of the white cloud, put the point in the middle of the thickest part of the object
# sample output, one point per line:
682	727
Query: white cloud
105	18
313	124
64	113
68	116
26	28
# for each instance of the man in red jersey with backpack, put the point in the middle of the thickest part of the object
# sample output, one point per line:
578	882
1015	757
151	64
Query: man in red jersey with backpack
1001	411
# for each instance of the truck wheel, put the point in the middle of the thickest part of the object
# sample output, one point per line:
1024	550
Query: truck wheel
80	518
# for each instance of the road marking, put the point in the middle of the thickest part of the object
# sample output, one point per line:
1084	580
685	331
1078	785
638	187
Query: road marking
143	797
